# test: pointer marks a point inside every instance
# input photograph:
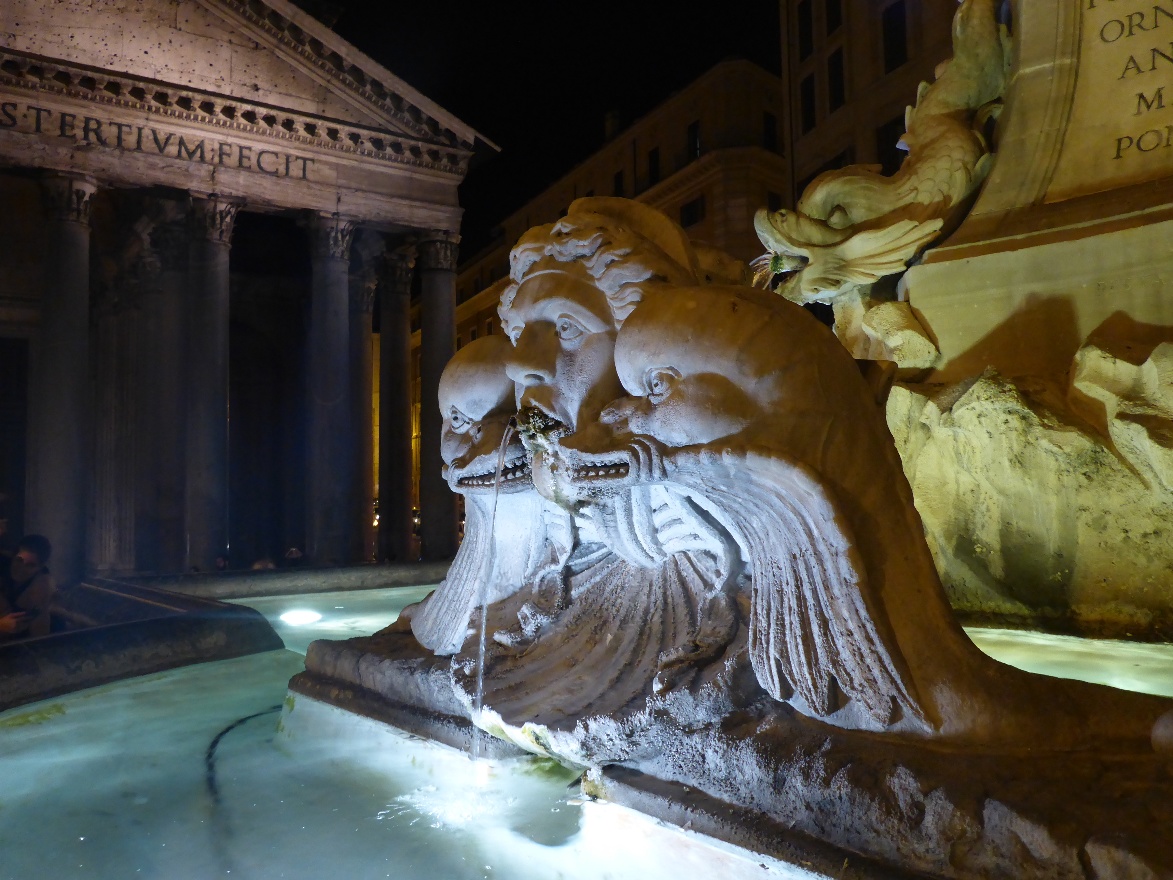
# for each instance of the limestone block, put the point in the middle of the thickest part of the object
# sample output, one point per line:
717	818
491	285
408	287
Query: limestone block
1028	508
894	325
878	330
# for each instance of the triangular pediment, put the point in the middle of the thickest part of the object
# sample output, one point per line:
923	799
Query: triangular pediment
264	54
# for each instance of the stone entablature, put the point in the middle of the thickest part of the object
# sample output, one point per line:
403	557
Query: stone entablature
23	71
129	131
279	54
250	99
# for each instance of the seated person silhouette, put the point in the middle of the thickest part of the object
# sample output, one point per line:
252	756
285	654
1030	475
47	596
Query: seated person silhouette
28	591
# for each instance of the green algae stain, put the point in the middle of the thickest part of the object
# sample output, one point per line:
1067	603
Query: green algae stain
37	716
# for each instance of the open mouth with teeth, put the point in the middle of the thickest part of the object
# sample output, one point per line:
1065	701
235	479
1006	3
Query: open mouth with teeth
515	473
538	429
616	470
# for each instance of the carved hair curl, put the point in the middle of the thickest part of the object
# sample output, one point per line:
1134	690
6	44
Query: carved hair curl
621	246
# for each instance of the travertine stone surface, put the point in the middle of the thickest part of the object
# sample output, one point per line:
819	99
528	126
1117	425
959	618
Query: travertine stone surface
1045	501
1118	131
225	96
201	45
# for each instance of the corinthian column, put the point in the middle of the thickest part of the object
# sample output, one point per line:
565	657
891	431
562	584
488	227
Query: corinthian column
437	264
330	438
118	435
59	381
363	284
395	525
161	528
206	496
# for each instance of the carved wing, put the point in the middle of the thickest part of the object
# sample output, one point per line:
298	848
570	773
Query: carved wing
814	625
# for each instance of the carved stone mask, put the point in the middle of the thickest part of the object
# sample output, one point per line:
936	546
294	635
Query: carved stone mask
476	400
564	339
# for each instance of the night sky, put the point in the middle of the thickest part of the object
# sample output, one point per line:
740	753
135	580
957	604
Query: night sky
538	78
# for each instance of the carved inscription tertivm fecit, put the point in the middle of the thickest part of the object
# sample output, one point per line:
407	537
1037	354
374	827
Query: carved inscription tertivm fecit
97	132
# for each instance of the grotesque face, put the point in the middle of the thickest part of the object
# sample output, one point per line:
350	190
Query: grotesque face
689	377
563	358
680	410
477	401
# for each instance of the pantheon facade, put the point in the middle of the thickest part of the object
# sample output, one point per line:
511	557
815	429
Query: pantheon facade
165	401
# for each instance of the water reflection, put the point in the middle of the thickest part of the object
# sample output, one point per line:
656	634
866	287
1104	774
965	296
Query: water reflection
184	774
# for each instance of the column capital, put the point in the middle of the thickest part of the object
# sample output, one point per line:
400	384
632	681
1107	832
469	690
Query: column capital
68	196
438	250
398	269
331	235
213	217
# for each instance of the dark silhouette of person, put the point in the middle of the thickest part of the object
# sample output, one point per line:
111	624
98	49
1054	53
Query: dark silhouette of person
28	591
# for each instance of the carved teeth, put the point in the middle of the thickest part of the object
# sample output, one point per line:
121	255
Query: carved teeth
515	470
583	473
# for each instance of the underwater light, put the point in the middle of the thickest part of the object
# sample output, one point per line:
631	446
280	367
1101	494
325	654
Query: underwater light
300	617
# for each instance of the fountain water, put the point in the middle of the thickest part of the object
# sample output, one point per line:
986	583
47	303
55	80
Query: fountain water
483	603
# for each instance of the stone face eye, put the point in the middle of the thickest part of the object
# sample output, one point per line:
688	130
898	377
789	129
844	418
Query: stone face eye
658	382
459	421
568	328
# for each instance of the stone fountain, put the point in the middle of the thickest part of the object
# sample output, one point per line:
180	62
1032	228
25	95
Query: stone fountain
693	566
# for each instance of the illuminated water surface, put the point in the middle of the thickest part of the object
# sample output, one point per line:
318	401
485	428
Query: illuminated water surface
183	775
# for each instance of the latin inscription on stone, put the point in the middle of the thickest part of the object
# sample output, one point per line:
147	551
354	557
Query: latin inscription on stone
1121	127
104	133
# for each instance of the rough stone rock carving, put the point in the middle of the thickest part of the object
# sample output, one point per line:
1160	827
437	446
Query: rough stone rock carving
854	226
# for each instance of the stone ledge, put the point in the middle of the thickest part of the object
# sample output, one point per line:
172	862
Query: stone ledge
694	810
145	631
450	730
289	582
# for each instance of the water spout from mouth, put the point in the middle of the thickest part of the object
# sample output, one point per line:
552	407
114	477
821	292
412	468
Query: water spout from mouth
479	700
